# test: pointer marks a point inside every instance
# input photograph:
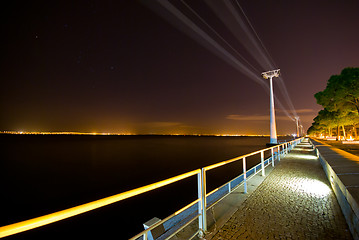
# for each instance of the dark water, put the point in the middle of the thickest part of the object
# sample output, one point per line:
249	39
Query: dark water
43	174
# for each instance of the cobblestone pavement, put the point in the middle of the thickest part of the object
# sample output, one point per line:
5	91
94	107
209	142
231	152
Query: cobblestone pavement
294	202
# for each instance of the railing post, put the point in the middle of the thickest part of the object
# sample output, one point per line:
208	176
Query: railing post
262	162
278	151
244	175
202	204
272	157
286	148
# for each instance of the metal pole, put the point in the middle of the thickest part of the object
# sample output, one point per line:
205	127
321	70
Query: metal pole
278	149
199	190
286	148
273	130
262	162
301	130
244	175
296	121
202	221
272	157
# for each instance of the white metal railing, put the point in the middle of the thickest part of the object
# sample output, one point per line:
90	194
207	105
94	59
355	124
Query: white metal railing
201	201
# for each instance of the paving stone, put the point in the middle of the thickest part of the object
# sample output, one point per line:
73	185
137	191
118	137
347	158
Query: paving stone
294	202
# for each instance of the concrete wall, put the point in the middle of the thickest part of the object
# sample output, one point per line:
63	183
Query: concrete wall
342	170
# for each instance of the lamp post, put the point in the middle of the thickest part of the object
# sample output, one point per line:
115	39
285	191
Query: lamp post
297	122
301	131
273	130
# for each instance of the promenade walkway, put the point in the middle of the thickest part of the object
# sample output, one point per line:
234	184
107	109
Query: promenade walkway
294	202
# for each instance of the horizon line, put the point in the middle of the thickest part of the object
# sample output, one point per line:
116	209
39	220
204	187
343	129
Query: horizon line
129	134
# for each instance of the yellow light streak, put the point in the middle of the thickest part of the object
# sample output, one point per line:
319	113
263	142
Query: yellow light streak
208	194
244	156
237	158
60	215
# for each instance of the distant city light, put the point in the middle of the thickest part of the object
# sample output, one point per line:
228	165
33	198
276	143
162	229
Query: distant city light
62	133
130	134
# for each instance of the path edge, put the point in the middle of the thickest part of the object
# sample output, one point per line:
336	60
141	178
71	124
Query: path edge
348	205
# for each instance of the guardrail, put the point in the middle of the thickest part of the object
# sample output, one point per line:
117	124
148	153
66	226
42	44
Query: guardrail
201	201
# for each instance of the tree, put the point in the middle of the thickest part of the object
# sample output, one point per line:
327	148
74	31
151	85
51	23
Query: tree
342	92
315	129
349	92
352	119
340	100
327	120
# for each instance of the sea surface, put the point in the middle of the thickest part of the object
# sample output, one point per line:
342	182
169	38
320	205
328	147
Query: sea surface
41	174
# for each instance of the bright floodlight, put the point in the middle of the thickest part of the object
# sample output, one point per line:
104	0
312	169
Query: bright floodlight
270	74
273	129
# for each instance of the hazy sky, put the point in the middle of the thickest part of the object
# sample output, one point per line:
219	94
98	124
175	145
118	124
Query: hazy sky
123	66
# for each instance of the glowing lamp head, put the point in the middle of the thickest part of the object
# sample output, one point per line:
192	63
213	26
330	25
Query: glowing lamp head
271	74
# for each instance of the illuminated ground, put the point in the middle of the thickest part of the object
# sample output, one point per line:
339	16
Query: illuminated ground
293	202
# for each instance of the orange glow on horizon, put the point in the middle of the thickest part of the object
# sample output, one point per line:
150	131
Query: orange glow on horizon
129	134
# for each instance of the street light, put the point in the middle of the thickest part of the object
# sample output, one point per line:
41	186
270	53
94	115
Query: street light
297	122
273	129
301	131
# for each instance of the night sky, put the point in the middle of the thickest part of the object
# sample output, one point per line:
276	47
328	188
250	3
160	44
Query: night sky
128	67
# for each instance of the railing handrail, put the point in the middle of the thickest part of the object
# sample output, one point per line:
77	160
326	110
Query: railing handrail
70	212
204	169
240	157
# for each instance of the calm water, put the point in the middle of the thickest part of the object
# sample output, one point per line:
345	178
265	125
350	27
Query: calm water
43	174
